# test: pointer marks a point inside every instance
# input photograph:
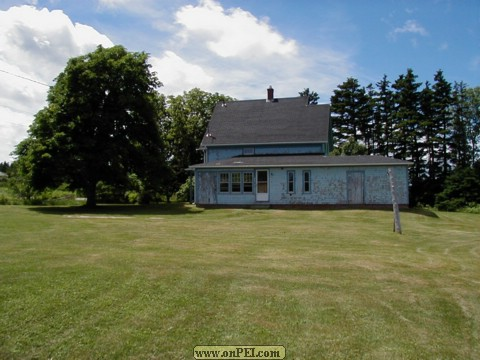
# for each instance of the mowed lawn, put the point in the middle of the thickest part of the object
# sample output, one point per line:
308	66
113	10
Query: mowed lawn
154	282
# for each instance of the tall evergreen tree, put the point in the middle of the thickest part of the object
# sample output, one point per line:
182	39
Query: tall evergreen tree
408	133
460	147
350	112
406	116
383	103
368	125
430	131
472	107
430	184
312	96
435	127
442	102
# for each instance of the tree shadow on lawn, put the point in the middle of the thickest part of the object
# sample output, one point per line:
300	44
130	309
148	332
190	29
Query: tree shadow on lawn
422	211
120	209
384	208
177	209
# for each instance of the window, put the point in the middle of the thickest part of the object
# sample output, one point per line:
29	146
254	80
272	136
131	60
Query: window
236	182
306	181
248	151
291	181
247	182
224	182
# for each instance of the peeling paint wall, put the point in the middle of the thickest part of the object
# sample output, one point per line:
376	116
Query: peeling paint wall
328	185
206	187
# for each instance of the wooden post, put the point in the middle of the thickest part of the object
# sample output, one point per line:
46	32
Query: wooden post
396	212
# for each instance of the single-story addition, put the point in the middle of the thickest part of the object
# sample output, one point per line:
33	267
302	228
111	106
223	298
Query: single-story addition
274	153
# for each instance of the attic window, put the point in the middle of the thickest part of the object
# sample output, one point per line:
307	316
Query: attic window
248	151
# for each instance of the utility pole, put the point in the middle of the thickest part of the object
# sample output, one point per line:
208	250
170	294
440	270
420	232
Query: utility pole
396	212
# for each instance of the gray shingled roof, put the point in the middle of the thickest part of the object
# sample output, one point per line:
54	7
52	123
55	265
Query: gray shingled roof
301	161
283	121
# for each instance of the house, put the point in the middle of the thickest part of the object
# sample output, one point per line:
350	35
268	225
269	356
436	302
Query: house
274	153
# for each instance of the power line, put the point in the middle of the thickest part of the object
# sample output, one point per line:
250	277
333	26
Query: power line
24	78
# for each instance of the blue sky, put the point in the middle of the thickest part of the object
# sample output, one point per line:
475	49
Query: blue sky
235	47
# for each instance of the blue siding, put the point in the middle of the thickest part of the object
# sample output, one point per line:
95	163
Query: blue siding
328	185
225	152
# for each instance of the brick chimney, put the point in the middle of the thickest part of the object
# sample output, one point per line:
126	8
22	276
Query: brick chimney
270	94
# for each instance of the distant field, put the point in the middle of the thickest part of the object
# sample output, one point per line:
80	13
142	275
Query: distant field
152	283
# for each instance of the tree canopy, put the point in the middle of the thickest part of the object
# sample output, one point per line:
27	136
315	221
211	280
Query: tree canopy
183	125
106	126
313	96
100	124
436	126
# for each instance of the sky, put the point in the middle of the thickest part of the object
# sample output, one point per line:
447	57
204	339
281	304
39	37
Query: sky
234	47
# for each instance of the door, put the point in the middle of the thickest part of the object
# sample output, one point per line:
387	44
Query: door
355	187
262	185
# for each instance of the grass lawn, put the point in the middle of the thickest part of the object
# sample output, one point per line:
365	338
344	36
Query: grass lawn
152	283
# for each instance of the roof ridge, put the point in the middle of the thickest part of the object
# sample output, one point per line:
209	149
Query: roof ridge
263	100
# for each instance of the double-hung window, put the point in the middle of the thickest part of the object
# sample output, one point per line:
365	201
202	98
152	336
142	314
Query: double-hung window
248	182
224	182
236	182
291	181
306	181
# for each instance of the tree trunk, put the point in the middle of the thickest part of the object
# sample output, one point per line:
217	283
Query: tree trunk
91	195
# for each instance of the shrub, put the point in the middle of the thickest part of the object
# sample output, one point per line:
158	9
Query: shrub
462	188
184	193
472	209
451	204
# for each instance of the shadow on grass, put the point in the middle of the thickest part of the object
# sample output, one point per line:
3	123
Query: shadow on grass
124	210
185	208
422	211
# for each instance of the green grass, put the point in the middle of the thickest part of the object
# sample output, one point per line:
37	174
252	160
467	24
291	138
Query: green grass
154	282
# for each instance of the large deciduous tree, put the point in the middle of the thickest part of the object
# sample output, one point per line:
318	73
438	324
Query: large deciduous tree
183	126
100	124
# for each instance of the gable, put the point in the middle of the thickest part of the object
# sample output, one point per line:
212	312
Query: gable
282	121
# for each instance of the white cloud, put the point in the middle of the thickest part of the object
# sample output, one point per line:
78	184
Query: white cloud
34	44
443	46
13	125
217	49
411	27
232	33
233	52
116	3
178	75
